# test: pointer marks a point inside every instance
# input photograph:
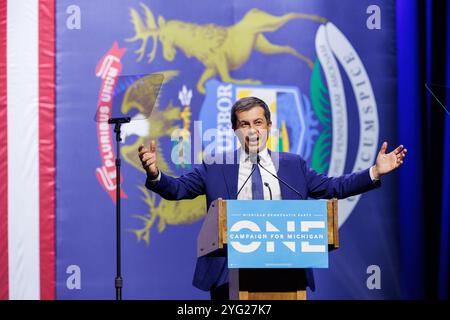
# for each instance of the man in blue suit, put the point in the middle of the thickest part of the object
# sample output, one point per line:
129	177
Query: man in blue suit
250	119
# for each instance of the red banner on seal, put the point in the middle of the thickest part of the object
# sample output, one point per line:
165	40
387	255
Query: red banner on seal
108	69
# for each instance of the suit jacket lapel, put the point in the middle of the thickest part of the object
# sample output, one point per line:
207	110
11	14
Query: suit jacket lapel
282	168
231	175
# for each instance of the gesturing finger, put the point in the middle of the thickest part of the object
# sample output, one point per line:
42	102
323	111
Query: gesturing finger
401	154
383	147
398	149
153	146
148	163
142	152
148	156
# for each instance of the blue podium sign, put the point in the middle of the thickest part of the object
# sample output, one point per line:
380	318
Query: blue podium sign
277	234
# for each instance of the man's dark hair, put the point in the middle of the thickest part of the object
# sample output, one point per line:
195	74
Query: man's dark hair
246	104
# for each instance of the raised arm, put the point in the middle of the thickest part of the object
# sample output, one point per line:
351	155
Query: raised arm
321	186
187	186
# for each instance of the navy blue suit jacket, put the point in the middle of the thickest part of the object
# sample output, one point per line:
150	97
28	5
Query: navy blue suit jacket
221	180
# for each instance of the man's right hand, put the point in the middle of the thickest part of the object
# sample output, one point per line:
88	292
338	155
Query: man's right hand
148	159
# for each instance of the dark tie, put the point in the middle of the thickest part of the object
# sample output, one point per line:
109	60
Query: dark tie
257	185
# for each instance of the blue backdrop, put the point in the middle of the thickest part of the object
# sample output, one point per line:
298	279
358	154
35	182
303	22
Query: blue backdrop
332	86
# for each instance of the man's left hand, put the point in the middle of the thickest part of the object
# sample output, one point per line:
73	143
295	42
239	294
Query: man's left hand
387	162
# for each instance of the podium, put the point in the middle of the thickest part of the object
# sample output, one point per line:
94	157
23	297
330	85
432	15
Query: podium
259	283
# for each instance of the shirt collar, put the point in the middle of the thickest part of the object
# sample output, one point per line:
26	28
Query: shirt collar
263	154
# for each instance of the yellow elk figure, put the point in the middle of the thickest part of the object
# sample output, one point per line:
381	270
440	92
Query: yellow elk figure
220	49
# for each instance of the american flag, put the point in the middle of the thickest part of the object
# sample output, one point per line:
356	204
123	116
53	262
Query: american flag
27	149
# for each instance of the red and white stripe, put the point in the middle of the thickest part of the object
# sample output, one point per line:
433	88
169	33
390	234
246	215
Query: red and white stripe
27	149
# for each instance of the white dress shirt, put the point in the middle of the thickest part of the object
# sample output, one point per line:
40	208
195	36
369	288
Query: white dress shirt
245	168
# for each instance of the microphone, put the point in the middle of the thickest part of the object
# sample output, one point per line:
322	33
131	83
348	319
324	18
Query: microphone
270	190
279	179
253	170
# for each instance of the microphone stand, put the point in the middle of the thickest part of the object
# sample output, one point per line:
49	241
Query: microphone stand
118	280
253	170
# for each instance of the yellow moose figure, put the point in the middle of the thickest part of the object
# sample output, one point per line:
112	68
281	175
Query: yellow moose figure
220	49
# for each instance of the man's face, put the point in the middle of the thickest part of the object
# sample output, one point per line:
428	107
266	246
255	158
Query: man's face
252	129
